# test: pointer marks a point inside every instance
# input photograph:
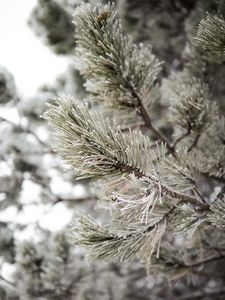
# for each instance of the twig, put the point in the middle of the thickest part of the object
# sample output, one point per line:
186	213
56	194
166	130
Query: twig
220	194
26	130
181	138
147	120
194	143
155	131
206	261
7	281
75	200
171	148
183	198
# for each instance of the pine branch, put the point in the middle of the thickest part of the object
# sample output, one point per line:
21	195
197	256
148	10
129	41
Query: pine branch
98	149
87	137
211	35
217	211
122	75
124	78
131	242
191	107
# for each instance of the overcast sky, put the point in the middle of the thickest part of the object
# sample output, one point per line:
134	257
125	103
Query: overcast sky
21	52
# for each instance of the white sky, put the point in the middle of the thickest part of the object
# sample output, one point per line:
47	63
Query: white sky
21	52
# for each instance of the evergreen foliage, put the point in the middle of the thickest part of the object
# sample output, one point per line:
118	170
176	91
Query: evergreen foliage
143	134
153	185
211	35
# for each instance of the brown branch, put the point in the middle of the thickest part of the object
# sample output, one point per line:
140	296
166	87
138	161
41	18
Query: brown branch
171	148
149	228
74	200
181	138
220	194
194	143
207	261
147	120
183	198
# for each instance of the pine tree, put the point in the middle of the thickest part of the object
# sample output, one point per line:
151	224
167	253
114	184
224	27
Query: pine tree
154	184
143	133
